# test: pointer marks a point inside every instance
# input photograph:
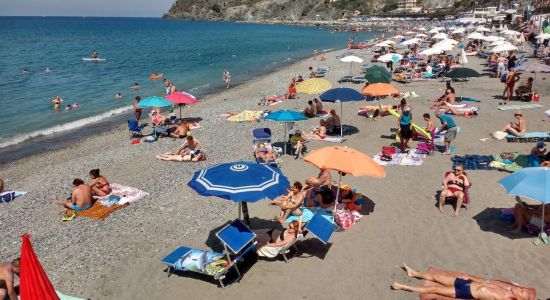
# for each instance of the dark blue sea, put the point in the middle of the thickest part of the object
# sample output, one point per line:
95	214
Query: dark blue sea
192	54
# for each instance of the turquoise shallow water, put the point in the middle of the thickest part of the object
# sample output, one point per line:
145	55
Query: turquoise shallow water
192	54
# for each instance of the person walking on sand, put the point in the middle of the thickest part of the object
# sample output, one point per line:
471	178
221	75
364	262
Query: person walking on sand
511	80
7	279
471	287
137	110
226	78
448	124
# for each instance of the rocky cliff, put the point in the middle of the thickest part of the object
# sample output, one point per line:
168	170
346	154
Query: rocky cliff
295	10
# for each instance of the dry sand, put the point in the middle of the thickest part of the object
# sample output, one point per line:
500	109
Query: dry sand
119	257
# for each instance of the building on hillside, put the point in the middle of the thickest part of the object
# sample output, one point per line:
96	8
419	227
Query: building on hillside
408	6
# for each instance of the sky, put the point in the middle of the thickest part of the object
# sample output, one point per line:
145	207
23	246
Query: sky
104	8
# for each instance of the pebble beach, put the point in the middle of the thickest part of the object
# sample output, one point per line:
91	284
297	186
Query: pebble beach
118	258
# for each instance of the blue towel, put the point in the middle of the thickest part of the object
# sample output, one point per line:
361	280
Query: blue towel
474	162
307	214
8	196
530	135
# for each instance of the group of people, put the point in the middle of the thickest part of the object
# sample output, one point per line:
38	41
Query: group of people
82	193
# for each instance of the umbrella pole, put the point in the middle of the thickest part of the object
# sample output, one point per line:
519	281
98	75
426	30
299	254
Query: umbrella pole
180	111
338	189
350	68
341	118
246	216
542	218
284	140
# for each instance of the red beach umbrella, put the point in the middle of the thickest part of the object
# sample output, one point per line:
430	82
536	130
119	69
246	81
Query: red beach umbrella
34	283
181	98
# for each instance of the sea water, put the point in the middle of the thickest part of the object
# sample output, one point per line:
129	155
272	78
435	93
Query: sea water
192	54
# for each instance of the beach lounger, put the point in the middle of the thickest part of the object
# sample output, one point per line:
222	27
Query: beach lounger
134	128
529	137
263	135
237	239
358	79
519	106
345	78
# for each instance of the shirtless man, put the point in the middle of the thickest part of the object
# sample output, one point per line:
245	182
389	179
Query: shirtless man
190	150
530	214
81	197
181	130
323	178
511	80
56	102
461	288
7	287
517	129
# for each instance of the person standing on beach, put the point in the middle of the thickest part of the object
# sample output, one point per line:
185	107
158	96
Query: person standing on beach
315	54
448	124
511	80
226	78
137	110
7	272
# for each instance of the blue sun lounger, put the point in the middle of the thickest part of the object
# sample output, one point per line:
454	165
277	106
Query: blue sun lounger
319	226
237	239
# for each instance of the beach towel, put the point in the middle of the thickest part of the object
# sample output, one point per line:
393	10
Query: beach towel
466	99
120	197
519	106
474	162
275	100
246	116
517	162
529	137
307	214
402	159
531	291
8	196
328	138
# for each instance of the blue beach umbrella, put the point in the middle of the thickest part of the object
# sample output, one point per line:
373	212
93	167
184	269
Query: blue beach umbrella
154	102
341	94
240	182
286	116
533	183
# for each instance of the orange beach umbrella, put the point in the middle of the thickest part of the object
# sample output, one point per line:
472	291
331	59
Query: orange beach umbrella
346	161
379	89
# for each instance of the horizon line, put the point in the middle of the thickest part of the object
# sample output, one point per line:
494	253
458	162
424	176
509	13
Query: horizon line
76	16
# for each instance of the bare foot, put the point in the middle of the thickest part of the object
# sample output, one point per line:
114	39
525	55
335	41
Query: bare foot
410	272
396	286
440	209
456	214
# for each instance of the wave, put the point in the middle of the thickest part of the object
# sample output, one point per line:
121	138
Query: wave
199	87
63	127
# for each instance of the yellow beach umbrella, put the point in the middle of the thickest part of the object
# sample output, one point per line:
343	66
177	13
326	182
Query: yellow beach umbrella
313	86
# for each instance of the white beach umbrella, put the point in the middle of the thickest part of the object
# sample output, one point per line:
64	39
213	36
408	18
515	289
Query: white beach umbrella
434	30
421	29
482	29
440	36
383	44
497	43
390	57
439	28
421	35
463	59
410	33
510	32
543	36
411	42
444	47
475	36
388	42
521	39
493	38
459	30
430	51
398	37
351	59
504	48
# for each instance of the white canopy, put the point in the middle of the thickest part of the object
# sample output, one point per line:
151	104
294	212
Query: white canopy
493	38
510	32
430	51
497	43
411	42
440	36
352	58
383	44
475	36
421	35
444	47
482	29
388	42
504	48
390	57
543	36
459	30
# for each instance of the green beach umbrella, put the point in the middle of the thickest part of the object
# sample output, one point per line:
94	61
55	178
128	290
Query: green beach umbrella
377	74
462	73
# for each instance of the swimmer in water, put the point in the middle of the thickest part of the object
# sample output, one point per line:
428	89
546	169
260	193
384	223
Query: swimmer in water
135	86
118	96
47	70
25	71
94	54
56	102
75	105
68	107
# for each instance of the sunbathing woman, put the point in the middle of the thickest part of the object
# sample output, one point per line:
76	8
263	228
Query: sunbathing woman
290	203
517	129
468	114
265	153
318	132
99	184
460	288
453	186
271	241
190	150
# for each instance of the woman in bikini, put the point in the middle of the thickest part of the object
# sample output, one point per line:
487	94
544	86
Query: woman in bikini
99	184
517	129
320	131
271	241
264	153
453	186
290	203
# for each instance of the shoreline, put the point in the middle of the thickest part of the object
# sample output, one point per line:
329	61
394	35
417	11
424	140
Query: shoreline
58	140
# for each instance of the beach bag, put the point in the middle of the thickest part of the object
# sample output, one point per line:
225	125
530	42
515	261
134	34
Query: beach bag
7	197
389	150
343	218
499	135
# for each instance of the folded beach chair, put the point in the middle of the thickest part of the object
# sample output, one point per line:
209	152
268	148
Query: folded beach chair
237	239
466	199
134	128
319	226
